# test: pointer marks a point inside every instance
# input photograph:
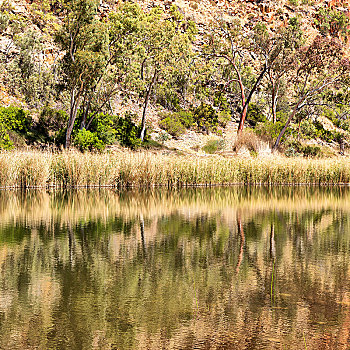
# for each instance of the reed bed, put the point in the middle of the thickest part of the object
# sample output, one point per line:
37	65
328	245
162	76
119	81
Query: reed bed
142	169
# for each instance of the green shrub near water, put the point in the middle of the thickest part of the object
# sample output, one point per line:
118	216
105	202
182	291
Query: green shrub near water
13	119
173	125
86	140
105	129
294	148
5	142
213	146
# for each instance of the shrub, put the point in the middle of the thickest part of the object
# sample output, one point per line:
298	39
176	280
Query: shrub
51	124
127	132
322	133
332	22
163	137
255	115
112	128
172	124
206	117
294	148
86	140
308	129
15	119
311	151
270	131
5	142
186	118
213	146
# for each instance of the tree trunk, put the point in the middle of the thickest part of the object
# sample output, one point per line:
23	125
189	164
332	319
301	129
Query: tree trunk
85	114
143	121
242	119
72	117
341	146
246	104
274	103
292	115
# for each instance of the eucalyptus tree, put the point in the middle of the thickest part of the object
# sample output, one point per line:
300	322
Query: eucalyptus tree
320	66
166	50
243	56
289	40
99	56
84	39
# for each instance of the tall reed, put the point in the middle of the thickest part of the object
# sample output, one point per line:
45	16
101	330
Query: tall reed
143	169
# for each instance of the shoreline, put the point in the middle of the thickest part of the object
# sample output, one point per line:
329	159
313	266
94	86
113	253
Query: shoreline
71	169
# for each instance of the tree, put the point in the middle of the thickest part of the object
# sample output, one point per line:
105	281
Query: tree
84	39
321	66
288	40
166	47
244	57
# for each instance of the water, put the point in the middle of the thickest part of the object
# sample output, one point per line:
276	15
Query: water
221	268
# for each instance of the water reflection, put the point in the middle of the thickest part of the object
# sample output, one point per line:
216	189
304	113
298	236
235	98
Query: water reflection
220	268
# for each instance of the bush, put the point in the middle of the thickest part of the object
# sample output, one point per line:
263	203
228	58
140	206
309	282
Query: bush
213	146
173	125
294	148
322	133
206	118
51	125
308	129
127	132
86	140
186	118
112	128
15	119
255	115
5	142
270	130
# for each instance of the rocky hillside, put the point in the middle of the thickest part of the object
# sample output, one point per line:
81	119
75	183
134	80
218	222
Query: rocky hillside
18	16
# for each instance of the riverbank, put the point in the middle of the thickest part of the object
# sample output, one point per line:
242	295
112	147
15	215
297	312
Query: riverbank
142	169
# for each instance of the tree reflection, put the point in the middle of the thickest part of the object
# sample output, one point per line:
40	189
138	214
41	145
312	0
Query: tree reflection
235	277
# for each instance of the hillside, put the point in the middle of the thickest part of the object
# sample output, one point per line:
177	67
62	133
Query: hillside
28	44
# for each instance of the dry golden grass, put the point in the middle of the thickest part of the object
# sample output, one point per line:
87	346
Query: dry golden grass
143	169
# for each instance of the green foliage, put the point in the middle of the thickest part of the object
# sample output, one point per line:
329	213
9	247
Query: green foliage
294	2
15	119
28	73
4	21
86	140
308	129
213	146
114	128
127	132
50	127
5	142
255	115
172	124
186	118
332	22
224	112
322	133
269	130
294	148
176	123
206	117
